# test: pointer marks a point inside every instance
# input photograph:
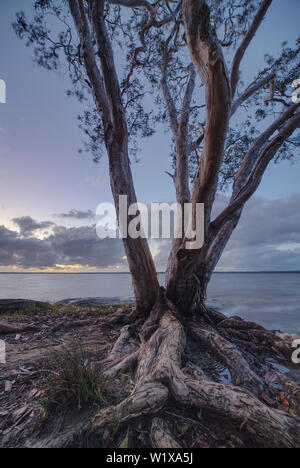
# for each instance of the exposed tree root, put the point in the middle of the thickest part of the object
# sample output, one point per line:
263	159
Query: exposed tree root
227	352
249	332
160	375
147	400
126	344
124	354
161	435
163	377
128	362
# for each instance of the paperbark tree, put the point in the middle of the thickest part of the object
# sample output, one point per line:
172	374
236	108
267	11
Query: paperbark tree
166	317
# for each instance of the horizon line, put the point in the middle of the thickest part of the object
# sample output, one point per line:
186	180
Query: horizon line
128	272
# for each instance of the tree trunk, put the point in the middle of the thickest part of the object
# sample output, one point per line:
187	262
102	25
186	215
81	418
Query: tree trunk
141	265
188	275
108	99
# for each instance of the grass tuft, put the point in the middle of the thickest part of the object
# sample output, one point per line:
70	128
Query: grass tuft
73	381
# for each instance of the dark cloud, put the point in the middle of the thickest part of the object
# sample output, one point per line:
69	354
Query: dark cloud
24	252
269	222
77	214
28	225
267	238
73	246
82	246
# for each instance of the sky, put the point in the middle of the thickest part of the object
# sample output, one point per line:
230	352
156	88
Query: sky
49	192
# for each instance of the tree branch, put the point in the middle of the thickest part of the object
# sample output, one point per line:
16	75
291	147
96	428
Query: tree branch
95	77
257	173
135	4
252	155
172	111
208	59
186	105
264	6
272	98
195	144
139	257
250	91
110	78
152	23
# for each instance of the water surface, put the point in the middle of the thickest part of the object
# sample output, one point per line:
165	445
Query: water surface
271	299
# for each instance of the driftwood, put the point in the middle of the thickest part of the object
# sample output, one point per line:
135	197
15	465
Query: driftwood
6	328
14	305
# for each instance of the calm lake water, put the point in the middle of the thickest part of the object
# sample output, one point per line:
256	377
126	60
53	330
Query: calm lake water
271	299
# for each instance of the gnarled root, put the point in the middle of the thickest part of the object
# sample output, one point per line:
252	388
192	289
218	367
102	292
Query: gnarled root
161	435
127	343
159	374
258	338
128	362
228	353
270	428
124	353
147	399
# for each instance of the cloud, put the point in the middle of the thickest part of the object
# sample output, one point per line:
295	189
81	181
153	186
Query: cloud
81	245
77	214
267	238
65	246
24	252
269	222
28	225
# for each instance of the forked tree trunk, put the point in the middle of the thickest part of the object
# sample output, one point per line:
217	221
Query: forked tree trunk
187	273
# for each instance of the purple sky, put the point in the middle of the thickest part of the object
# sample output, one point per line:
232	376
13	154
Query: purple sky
42	174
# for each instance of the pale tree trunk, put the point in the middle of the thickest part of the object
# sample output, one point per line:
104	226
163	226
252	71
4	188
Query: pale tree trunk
179	127
185	280
107	96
